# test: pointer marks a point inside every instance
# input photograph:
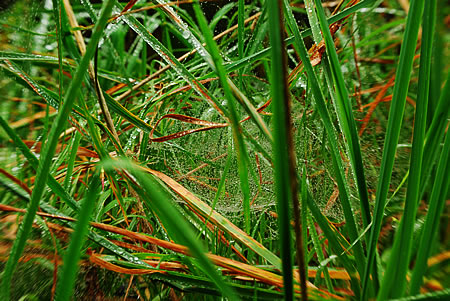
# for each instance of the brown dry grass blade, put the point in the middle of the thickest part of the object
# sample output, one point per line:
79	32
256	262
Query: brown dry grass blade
239	268
208	125
15	180
96	259
221	222
82	151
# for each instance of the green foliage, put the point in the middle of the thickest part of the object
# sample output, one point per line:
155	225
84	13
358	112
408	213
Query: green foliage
185	150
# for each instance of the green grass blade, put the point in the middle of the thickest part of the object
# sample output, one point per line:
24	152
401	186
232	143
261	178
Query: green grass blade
177	227
442	295
66	283
401	252
97	238
435	133
431	228
438	60
241	151
335	153
57	10
207	56
346	118
337	245
49	150
170	59
281	105
220	221
34	162
70	164
304	204
38	89
18	56
319	253
241	33
401	86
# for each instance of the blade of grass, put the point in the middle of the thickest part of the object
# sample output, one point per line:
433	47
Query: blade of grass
49	150
70	164
338	245
438	296
57	15
403	76
241	33
401	251
191	38
332	140
438	58
435	133
34	162
175	223
60	192
346	118
66	283
304	212
431	228
241	151
305	33
286	185
318	250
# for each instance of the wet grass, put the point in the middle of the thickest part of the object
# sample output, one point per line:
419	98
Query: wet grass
246	149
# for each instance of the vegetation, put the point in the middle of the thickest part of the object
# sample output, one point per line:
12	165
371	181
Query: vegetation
206	150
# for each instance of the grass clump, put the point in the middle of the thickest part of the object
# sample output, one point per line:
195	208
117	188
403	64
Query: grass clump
207	150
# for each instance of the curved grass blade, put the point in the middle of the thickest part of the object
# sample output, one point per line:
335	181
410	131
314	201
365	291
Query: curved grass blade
319	253
207	125
211	59
34	162
224	224
97	238
170	59
19	56
42	92
178	228
51	98
403	76
338	245
66	281
305	33
49	149
185	282
70	164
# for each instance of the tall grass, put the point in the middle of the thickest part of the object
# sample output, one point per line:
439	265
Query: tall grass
49	150
255	150
401	86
